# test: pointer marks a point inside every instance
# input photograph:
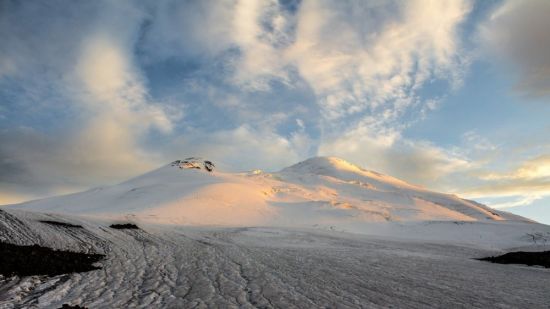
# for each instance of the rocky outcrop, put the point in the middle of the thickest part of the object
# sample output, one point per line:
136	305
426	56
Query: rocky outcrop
194	163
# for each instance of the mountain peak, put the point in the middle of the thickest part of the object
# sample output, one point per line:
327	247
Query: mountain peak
344	170
319	165
194	163
317	190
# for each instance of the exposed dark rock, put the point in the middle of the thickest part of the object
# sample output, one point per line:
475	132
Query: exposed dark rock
521	257
194	163
62	224
67	306
125	226
38	260
209	166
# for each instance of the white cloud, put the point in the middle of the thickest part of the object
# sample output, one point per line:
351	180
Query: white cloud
243	148
419	162
9	197
356	64
94	72
118	111
365	72
261	31
477	142
187	29
530	180
361	64
518	202
535	168
358	58
37	164
113	88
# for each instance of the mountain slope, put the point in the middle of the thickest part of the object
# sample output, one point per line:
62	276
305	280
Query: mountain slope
323	191
160	266
410	248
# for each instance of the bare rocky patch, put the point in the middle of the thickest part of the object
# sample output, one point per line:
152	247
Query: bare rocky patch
67	306
37	260
61	224
521	257
124	226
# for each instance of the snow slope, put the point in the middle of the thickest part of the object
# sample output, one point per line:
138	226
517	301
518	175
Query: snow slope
211	239
183	267
322	191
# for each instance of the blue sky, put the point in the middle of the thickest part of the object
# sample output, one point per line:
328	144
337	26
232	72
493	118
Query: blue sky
453	95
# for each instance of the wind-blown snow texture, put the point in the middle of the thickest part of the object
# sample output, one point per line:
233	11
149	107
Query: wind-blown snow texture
282	240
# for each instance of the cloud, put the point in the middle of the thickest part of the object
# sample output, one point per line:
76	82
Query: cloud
374	65
530	181
111	89
26	27
367	74
535	168
7	198
419	162
517	32
516	202
364	72
185	29
477	142
120	87
36	164
526	187
110	109
111	85
244	148
355	65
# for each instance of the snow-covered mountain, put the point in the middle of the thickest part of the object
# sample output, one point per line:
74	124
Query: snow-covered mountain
321	191
279	242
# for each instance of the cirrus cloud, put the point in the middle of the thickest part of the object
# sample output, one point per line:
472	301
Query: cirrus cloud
95	92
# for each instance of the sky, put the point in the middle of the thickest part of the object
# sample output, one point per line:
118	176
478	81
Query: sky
453	95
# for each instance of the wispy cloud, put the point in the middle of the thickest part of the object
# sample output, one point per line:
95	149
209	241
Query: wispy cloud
96	79
518	186
94	92
244	148
535	168
273	80
420	162
517	202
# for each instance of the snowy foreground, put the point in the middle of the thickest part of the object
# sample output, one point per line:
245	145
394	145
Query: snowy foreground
182	267
320	234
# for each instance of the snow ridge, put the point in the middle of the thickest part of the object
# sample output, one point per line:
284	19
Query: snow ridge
321	192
